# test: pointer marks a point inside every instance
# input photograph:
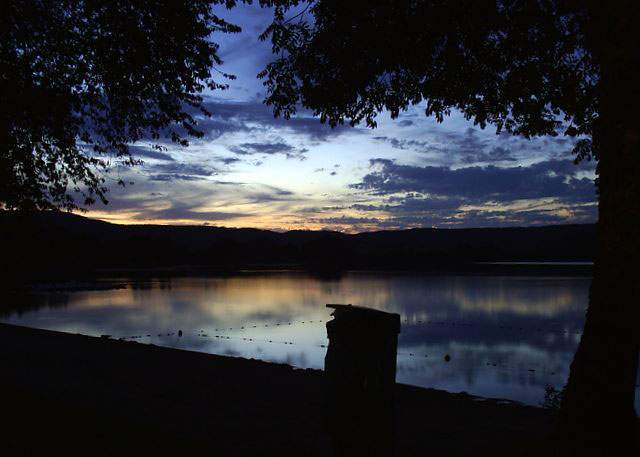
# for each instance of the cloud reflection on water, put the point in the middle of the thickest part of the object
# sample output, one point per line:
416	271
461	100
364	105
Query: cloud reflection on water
507	336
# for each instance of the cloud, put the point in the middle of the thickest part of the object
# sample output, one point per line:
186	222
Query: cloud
145	153
404	218
496	154
548	179
404	196
186	211
269	148
271	194
180	171
229	117
404	144
464	147
176	200
254	116
228	160
347	220
174	177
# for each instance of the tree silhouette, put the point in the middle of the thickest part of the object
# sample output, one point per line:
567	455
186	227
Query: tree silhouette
528	68
82	79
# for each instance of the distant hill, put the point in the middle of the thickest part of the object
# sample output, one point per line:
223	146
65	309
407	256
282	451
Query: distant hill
54	242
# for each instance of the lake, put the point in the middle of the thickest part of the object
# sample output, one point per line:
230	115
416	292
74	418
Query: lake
506	337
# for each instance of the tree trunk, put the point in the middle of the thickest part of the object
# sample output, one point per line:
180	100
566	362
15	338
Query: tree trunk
597	413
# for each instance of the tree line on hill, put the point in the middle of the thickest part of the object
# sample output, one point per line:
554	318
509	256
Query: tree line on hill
55	243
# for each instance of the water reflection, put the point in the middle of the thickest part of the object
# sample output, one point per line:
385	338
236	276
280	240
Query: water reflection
506	336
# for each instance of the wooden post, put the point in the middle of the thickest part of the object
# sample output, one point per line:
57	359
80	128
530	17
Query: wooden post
360	367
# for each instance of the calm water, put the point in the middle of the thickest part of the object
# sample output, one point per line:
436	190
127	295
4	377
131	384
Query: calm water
507	336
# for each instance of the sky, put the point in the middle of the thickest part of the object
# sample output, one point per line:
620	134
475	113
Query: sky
253	170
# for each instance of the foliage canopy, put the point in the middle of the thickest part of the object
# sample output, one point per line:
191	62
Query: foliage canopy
527	67
82	79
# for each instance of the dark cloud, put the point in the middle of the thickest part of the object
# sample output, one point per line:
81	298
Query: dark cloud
280	147
548	192
228	160
174	177
254	116
228	117
402	143
413	204
271	194
461	143
317	209
496	154
466	147
180	171
400	217
185	212
140	152
181	198
278	191
348	220
548	179
261	148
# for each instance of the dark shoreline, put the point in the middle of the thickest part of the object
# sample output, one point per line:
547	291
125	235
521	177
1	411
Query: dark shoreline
106	279
98	396
463	269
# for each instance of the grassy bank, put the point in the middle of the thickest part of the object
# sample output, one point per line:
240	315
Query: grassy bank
92	396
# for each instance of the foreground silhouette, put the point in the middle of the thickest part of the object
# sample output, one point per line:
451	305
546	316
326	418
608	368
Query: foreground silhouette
76	395
360	369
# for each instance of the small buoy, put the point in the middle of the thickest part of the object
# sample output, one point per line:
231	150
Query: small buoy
447	358
179	333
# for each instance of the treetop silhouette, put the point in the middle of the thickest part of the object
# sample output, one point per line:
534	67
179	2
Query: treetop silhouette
83	79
